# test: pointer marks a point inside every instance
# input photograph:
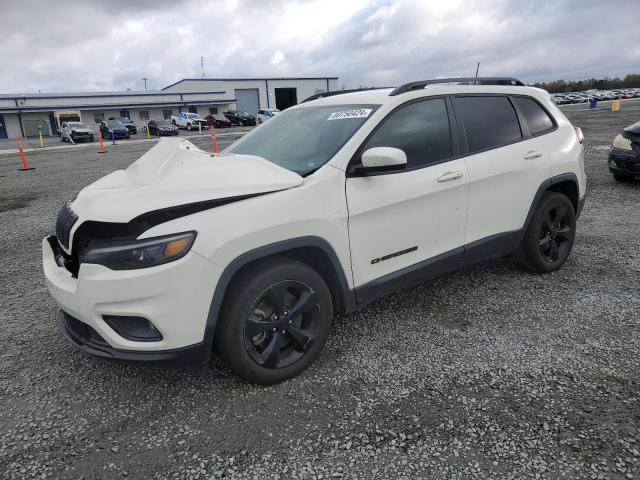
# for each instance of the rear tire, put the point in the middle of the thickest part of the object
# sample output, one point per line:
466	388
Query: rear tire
550	234
275	320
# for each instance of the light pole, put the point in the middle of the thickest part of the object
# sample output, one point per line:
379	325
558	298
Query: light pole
145	83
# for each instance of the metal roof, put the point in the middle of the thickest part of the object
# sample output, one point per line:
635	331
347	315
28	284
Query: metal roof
127	93
246	79
117	105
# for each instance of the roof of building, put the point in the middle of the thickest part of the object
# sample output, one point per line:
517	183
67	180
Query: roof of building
141	93
101	106
246	79
126	93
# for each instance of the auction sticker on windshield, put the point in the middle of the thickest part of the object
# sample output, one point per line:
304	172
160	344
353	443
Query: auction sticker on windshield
357	113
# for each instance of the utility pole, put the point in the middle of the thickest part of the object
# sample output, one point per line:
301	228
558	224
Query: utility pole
477	68
202	66
145	83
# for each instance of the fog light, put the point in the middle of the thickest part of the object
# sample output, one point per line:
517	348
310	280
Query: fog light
136	329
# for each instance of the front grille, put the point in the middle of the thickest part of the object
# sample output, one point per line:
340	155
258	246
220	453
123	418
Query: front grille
66	220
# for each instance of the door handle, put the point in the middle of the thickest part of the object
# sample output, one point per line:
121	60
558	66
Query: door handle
532	154
448	176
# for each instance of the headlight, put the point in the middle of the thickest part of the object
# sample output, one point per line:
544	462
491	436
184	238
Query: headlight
622	143
142	253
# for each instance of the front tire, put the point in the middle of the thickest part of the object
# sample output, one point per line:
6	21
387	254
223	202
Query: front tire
275	320
550	234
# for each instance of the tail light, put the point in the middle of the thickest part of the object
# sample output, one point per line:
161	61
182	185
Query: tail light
580	135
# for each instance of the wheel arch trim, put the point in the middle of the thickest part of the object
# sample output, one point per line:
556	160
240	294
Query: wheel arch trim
545	186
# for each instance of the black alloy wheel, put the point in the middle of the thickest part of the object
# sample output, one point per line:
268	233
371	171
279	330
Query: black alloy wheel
555	233
275	319
282	325
550	234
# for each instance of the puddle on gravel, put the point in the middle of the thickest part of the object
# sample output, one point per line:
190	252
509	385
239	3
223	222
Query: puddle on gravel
14	203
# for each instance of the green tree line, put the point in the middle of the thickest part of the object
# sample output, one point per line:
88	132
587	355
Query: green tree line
562	86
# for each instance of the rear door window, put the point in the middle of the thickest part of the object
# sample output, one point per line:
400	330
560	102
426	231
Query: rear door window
489	121
536	117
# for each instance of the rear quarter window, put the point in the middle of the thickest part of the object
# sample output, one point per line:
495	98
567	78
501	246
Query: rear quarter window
536	117
489	121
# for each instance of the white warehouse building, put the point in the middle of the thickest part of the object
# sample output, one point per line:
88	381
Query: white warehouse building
26	115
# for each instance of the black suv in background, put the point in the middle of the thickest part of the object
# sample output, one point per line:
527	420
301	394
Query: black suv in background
127	123
237	117
624	156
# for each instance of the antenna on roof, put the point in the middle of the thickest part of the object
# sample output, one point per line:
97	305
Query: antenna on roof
202	65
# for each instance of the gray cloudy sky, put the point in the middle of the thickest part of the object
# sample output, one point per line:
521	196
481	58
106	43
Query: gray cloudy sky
110	45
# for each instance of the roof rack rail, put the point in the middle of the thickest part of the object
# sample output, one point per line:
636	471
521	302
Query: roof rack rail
408	87
338	92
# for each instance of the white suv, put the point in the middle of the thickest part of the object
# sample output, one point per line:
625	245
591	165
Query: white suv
329	205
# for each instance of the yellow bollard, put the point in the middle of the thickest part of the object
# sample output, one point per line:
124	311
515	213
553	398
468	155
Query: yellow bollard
41	139
148	134
615	106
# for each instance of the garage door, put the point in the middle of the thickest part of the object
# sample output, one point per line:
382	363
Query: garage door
247	100
31	127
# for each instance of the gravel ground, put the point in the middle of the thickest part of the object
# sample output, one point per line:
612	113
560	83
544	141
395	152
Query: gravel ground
485	373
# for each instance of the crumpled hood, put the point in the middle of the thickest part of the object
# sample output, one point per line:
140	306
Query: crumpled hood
81	130
175	172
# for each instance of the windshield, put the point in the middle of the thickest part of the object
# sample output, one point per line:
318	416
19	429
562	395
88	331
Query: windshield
114	124
304	139
162	122
244	114
76	125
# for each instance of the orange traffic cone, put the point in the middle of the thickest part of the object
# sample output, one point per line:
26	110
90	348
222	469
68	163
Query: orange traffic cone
101	148
214	139
25	163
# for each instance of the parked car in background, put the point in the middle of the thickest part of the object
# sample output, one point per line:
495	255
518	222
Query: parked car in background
217	120
76	131
266	114
237	117
189	121
111	129
126	121
162	127
561	99
624	156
